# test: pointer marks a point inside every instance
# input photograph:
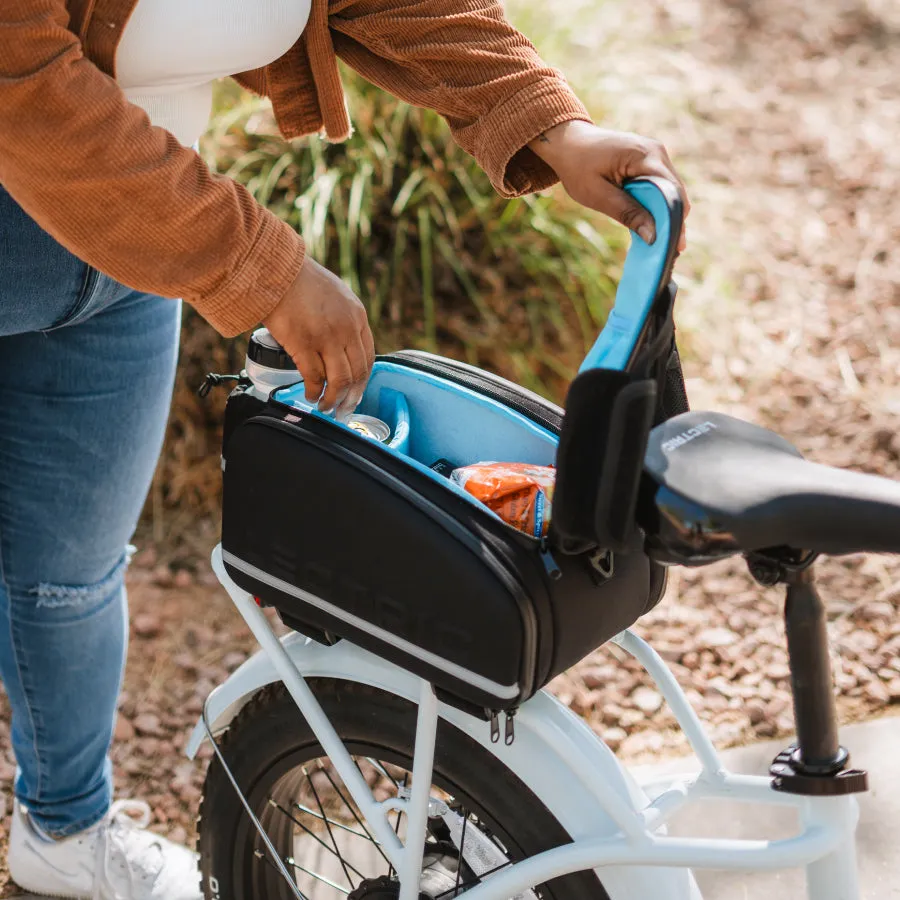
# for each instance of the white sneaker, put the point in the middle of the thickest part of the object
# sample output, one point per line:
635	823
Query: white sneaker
117	859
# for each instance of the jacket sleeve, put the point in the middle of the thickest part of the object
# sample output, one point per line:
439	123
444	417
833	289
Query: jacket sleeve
464	60
121	194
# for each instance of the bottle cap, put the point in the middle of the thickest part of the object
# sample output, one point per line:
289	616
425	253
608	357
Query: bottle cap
266	351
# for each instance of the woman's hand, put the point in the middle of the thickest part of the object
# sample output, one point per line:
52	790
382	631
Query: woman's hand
323	326
593	163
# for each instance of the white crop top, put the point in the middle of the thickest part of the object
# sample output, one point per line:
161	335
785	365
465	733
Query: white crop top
173	50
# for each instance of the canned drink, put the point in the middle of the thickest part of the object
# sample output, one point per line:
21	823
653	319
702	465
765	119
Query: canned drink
370	427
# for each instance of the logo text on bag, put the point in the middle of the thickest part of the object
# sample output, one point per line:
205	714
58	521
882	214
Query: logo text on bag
687	436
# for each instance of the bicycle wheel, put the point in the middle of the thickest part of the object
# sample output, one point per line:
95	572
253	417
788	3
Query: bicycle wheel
311	820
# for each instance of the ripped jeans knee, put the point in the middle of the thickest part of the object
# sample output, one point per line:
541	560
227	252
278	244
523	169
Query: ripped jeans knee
62	652
80	598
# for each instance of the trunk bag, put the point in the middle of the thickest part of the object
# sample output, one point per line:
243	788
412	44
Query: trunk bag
347	538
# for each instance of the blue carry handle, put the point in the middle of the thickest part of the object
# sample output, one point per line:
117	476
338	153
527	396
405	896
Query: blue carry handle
648	268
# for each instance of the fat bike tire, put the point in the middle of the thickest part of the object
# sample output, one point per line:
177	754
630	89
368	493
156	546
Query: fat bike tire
269	740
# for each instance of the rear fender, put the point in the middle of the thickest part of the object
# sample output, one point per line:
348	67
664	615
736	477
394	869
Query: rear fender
561	760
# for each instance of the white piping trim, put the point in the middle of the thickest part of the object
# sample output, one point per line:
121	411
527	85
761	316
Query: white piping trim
504	691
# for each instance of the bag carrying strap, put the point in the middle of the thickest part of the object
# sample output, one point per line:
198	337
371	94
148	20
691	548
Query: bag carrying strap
609	415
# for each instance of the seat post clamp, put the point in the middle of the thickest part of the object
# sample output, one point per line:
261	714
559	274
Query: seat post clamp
769	569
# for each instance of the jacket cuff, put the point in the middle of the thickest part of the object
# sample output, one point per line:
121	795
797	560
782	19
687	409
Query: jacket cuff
257	287
507	130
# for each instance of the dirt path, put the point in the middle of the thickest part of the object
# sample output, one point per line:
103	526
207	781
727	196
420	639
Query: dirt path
784	118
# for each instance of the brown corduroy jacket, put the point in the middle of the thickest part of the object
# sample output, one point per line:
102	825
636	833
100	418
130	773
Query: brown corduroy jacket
125	197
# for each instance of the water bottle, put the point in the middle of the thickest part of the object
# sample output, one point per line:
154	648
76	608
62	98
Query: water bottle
268	365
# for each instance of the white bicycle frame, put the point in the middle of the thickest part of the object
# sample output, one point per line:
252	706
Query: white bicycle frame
616	829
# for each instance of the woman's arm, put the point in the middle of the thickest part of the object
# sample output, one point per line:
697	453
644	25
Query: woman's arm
462	59
121	194
513	113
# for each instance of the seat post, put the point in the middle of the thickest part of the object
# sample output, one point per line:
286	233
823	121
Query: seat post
815	711
816	765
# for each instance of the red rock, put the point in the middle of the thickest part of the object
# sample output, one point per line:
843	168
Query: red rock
234	659
162	575
148	747
146	625
147	724
877	692
630	718
766	728
647	700
778	671
146	559
756	711
872	612
124	730
613	737
178	835
187	792
183	579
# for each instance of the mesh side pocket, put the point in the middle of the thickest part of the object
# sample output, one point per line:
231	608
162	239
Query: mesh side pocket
673	399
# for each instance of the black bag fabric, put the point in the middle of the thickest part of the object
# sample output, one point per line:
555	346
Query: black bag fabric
603	439
348	540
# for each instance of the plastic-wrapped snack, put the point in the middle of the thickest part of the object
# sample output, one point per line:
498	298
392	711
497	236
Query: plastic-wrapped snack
520	493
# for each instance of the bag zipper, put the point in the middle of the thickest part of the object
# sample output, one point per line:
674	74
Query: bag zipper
443	518
528	404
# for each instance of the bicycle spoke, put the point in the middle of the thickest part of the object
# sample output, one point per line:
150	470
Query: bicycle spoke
312	834
462	845
260	855
352	809
292	862
315	815
312	787
379	767
468	884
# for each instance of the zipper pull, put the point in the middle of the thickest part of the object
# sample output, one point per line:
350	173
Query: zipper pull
550	564
510	735
603	563
495	727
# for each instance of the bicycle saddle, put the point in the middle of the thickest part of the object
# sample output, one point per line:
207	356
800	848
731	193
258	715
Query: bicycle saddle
726	486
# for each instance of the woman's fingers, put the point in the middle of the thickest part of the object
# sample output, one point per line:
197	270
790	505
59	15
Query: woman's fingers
324	327
368	343
658	163
619	205
338	378
359	369
311	367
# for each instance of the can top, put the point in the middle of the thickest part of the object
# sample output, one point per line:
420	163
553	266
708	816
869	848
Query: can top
266	351
370	427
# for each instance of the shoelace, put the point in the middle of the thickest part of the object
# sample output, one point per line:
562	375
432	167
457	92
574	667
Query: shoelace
125	816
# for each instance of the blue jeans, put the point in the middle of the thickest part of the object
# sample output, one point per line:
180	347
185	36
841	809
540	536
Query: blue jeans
86	373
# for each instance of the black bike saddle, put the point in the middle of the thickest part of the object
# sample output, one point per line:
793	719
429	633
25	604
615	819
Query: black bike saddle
727	486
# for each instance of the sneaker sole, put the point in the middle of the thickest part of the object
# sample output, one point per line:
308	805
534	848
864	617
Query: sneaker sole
42	892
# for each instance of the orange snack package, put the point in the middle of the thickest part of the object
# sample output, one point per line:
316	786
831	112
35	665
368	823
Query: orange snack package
520	493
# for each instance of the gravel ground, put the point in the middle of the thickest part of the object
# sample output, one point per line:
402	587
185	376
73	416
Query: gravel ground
783	116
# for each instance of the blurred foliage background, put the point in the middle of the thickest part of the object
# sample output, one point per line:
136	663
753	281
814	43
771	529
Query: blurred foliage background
413	225
789	302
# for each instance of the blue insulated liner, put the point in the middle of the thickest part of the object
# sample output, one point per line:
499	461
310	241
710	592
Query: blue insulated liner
640	283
